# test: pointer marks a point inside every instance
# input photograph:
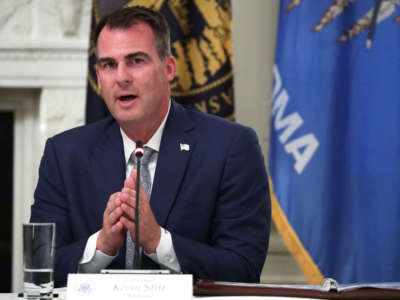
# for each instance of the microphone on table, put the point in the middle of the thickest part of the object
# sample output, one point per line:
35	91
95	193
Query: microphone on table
137	258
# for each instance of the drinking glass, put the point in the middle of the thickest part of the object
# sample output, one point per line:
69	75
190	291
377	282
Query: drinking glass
39	247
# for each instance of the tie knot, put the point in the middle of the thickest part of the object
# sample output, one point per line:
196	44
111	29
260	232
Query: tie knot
148	153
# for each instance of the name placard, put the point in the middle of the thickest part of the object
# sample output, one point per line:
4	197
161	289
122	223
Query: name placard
130	286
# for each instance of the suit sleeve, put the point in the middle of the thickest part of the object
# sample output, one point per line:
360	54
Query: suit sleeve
51	205
241	225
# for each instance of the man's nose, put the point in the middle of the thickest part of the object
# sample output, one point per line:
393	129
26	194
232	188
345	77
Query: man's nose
123	75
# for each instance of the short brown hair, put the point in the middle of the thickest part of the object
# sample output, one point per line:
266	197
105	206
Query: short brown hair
126	17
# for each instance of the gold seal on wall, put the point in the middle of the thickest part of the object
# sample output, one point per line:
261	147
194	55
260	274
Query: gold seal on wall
201	42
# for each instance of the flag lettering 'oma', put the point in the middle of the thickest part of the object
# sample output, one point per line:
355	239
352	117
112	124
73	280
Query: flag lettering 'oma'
302	148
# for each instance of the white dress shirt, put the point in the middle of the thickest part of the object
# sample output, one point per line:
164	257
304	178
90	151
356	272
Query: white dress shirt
94	260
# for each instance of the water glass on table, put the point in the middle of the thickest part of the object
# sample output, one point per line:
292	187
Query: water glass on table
39	247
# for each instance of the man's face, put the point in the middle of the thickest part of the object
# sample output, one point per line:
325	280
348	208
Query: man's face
133	79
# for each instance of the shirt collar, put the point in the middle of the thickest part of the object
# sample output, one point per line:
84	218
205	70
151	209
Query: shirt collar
153	143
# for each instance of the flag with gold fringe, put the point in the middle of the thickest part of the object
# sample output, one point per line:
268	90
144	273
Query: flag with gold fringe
201	40
335	139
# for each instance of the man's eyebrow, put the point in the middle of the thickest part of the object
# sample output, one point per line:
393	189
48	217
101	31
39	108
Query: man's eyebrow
137	54
129	56
105	59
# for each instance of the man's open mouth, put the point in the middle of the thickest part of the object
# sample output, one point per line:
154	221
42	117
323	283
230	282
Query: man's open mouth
127	97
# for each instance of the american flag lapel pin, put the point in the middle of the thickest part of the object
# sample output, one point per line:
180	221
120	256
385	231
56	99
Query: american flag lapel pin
184	147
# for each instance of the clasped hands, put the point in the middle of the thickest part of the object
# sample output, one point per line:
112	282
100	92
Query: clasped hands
119	217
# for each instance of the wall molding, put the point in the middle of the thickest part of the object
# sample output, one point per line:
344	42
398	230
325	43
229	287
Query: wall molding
35	65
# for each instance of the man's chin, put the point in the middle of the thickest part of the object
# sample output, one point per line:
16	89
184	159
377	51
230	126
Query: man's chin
127	119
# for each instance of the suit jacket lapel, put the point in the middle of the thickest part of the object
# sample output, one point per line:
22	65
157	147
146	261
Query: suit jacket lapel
172	162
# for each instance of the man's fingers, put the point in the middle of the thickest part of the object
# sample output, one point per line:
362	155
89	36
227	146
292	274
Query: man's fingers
130	182
128	196
143	195
113	202
133	175
113	217
113	210
113	232
128	211
128	202
128	224
117	227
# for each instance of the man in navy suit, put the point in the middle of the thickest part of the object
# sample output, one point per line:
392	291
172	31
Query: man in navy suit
208	213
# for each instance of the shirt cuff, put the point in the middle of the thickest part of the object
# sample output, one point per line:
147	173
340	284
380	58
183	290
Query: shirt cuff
93	260
165	254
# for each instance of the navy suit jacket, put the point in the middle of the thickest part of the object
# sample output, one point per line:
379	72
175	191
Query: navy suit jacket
214	198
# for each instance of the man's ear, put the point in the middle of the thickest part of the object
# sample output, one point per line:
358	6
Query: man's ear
170	67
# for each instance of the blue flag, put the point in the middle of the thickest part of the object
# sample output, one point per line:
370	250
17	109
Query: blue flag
335	138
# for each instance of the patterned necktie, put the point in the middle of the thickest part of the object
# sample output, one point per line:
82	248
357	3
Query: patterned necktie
145	180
